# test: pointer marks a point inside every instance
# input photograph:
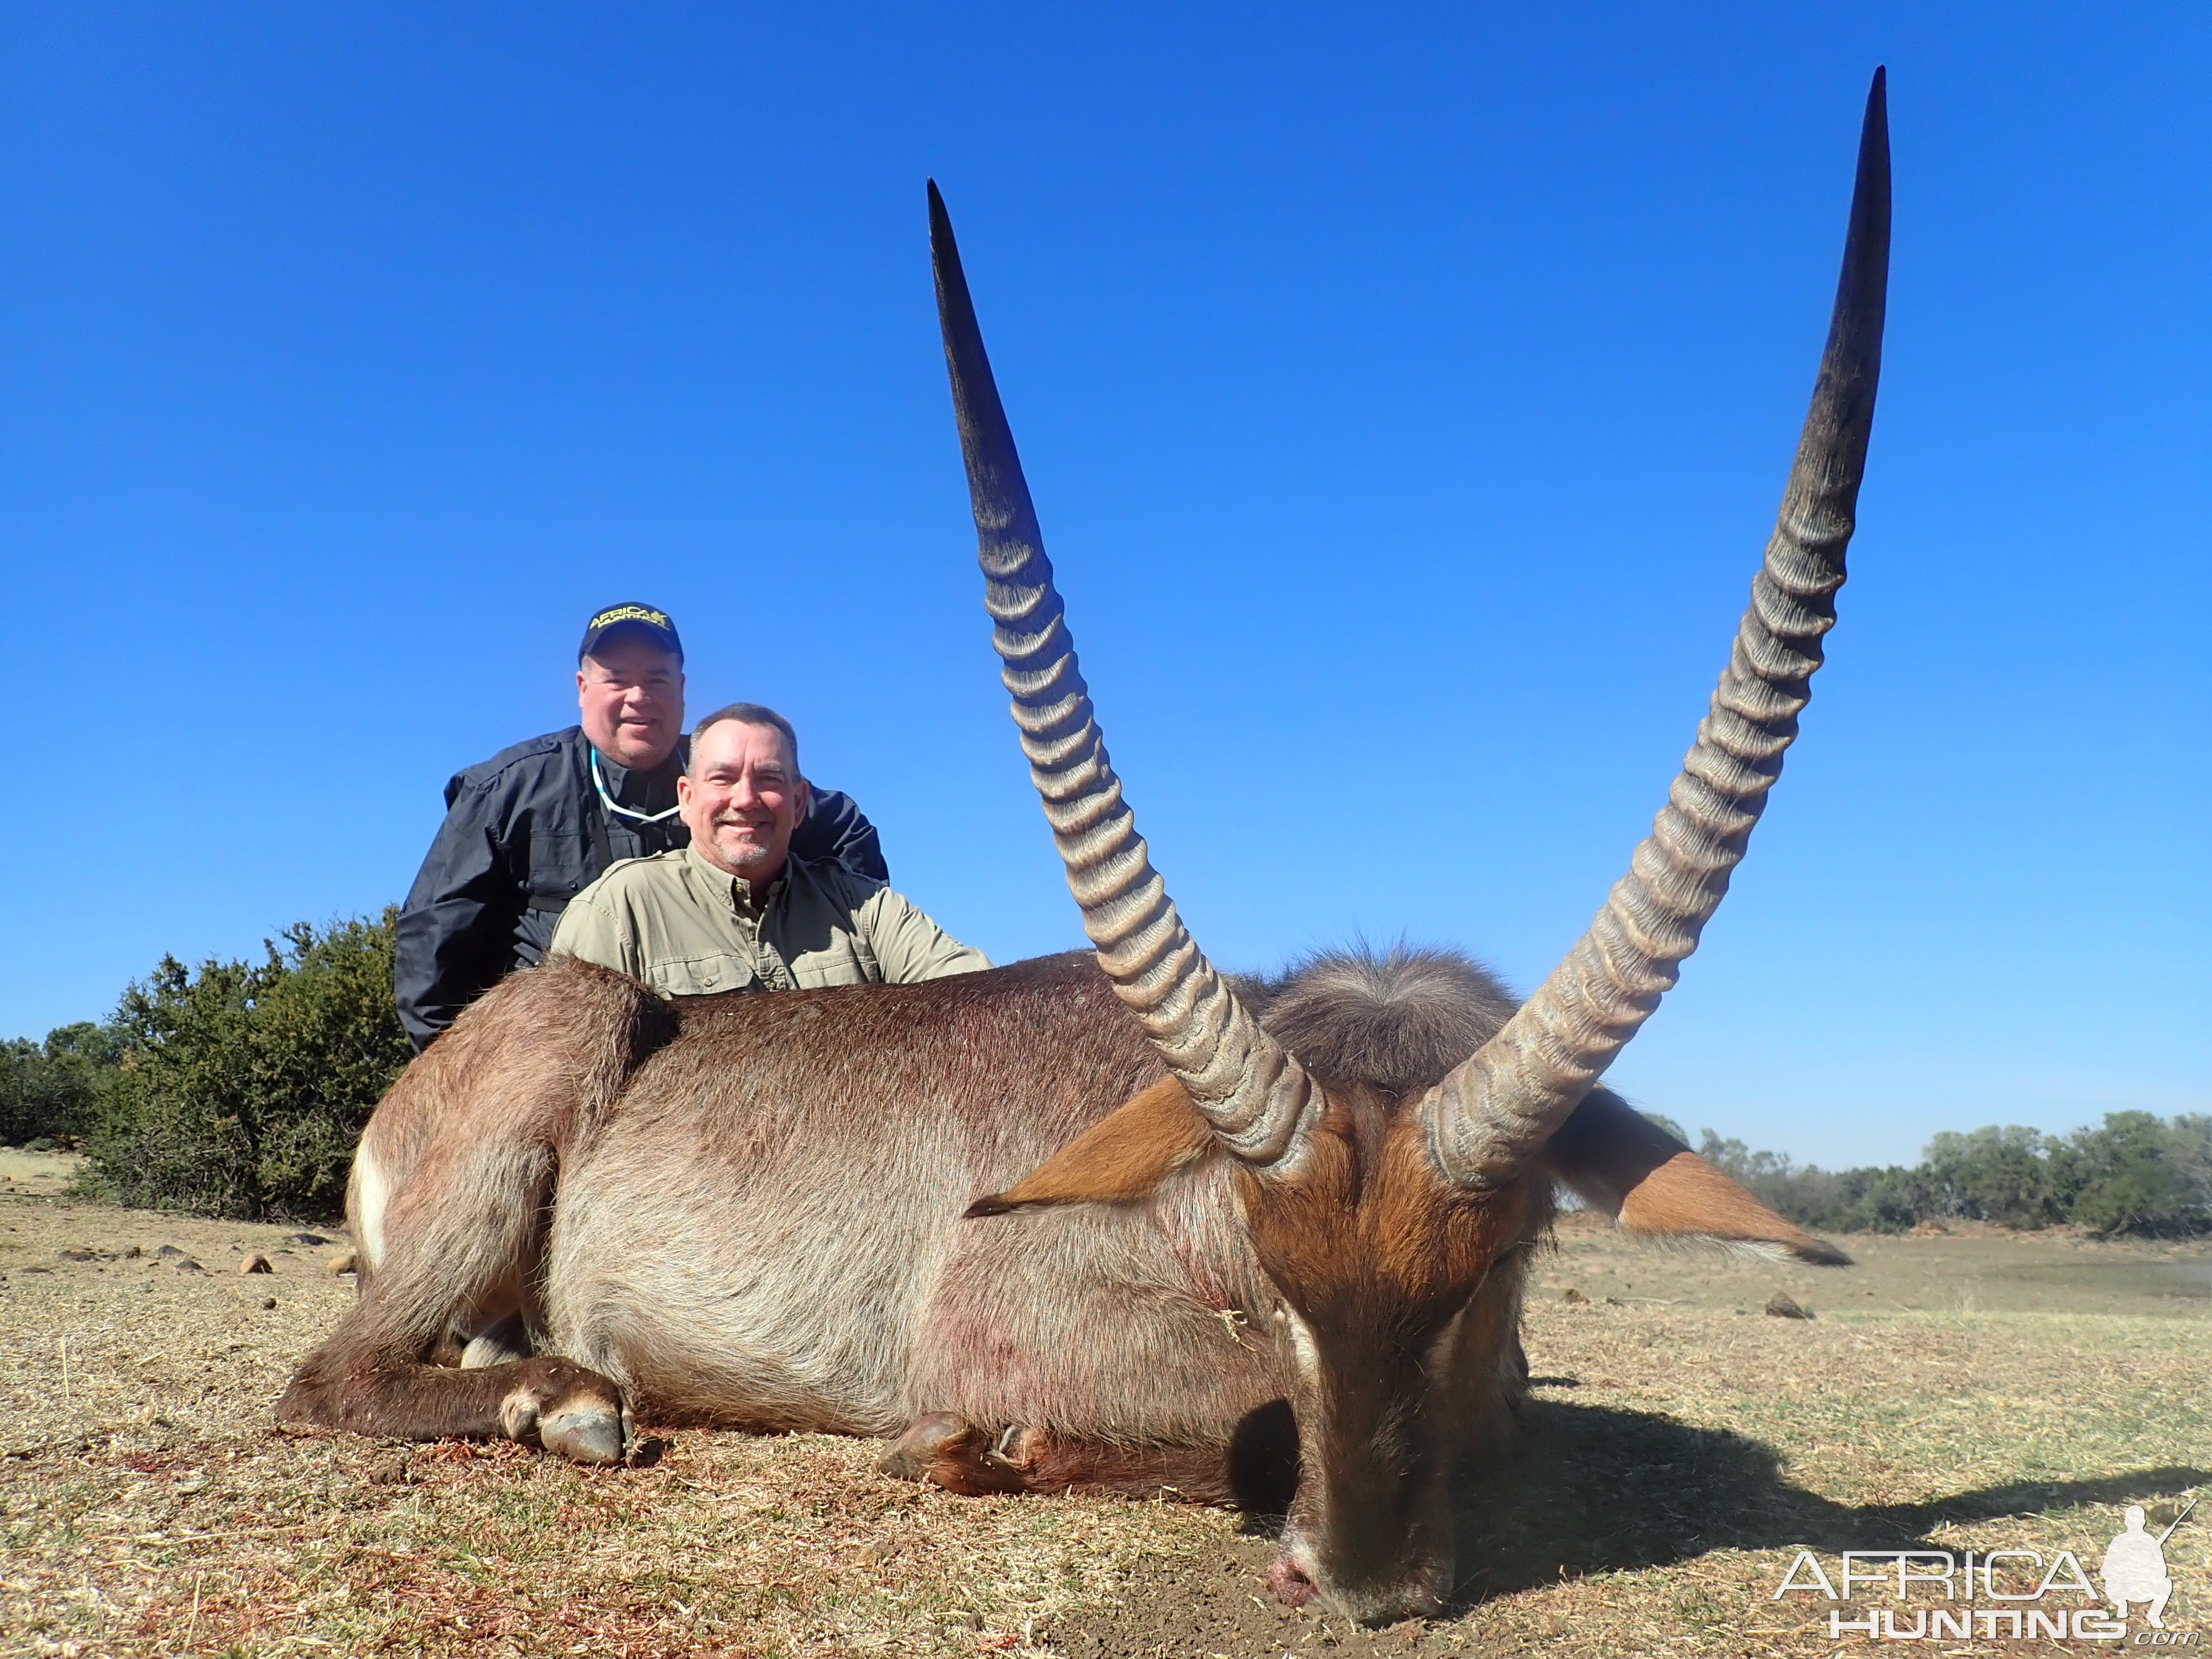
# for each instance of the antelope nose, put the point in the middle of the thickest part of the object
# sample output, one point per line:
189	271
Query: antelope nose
1292	1584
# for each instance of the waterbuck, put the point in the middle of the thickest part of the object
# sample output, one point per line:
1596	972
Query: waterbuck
1123	1223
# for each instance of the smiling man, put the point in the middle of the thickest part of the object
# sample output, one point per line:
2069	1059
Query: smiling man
739	909
530	828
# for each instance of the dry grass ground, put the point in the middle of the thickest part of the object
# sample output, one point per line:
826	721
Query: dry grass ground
1958	1391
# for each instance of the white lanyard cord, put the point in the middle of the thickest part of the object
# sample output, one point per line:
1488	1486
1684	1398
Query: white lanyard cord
608	801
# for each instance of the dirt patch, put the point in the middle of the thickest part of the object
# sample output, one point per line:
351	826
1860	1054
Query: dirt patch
1677	1455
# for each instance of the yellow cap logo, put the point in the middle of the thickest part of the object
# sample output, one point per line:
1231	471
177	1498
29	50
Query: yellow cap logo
620	613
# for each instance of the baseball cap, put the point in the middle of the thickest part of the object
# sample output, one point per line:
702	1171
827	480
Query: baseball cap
652	620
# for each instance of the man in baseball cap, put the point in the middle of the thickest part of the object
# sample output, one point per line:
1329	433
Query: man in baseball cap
527	829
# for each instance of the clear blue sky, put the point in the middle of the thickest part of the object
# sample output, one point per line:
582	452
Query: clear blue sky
1407	391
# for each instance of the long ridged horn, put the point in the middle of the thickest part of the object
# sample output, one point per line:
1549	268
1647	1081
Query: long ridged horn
1498	1108
1258	1099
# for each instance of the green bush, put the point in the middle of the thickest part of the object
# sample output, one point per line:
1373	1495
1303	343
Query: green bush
50	1092
245	1085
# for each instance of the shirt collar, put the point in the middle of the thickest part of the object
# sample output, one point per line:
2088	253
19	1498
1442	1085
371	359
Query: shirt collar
735	890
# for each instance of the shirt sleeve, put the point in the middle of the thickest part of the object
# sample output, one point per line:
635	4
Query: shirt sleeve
596	927
835	828
909	946
456	931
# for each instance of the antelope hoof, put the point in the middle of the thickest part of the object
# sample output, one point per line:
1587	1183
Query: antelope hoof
947	1450
590	1433
568	1410
912	1454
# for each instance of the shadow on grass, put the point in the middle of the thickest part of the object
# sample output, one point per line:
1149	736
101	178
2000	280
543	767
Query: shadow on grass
1588	1489
1595	1489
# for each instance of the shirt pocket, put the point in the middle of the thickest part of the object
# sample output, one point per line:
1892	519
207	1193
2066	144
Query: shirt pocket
816	973
559	865
701	976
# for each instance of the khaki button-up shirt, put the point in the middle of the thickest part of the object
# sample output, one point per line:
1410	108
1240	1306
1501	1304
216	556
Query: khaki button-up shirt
687	929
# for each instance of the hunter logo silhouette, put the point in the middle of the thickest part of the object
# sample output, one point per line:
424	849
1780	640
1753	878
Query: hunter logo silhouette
2134	1567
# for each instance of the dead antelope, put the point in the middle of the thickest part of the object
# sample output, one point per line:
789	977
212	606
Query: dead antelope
1127	1225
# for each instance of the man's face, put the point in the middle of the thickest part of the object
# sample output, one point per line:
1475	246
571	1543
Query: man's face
742	797
631	694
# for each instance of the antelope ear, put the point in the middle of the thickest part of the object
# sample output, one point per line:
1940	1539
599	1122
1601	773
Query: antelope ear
1123	1156
1621	1161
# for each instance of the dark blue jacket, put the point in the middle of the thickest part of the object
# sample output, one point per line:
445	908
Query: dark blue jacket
525	832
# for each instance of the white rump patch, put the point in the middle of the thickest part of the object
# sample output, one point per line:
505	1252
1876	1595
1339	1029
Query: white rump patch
371	1193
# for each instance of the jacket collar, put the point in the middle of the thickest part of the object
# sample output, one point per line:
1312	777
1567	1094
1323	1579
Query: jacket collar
644	791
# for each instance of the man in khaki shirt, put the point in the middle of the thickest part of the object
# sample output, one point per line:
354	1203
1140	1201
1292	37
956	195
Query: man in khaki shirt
734	911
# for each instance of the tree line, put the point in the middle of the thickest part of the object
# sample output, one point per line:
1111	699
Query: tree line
2133	1173
238	1088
